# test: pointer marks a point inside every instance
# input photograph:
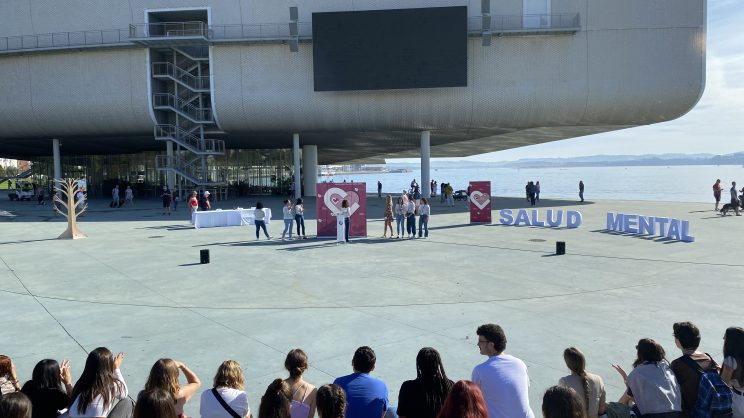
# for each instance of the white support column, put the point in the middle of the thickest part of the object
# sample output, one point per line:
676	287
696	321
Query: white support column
296	165
425	166
169	175
57	160
310	169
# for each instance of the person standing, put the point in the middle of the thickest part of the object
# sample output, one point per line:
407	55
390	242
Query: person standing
379	189
537	191
717	192
424	212
167	200
288	219
193	203
400	214
531	193
129	196
581	190
299	215
502	378
388	217
735	198
346	213
411	218
205	204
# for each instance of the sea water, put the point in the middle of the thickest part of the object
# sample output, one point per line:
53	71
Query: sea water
693	183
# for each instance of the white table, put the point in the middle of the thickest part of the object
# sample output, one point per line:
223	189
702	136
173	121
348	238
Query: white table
232	217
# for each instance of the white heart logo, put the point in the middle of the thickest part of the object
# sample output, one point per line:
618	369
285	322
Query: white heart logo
480	199
334	197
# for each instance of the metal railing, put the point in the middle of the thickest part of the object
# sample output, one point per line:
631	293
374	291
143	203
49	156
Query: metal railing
168	30
527	23
64	39
179	74
196	114
188	140
262	31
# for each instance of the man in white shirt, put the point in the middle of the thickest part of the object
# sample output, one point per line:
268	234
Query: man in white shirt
502	378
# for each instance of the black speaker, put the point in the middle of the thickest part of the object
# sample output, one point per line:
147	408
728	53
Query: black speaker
560	247
204	256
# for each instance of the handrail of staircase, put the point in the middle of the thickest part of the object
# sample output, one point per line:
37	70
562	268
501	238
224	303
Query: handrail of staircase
172	70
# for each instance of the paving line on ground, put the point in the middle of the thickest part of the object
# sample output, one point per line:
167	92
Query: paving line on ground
614	257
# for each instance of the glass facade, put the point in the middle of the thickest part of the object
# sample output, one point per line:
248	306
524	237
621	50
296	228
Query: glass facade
247	172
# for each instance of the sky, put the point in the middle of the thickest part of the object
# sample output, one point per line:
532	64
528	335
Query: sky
715	125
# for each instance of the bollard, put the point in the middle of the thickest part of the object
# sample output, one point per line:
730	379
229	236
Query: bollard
560	247
204	256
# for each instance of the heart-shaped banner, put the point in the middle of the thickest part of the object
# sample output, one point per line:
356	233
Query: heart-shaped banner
334	197
479	199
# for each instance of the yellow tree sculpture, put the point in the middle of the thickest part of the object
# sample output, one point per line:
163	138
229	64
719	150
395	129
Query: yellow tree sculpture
69	187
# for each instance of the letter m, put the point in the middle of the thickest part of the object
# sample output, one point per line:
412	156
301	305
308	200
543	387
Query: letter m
614	221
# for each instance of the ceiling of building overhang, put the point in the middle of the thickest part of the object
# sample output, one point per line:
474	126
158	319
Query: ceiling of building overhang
332	147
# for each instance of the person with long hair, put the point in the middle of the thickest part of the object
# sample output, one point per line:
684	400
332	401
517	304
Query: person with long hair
424	396
651	383
388	217
46	390
229	385
100	386
400	214
15	405
588	386
299	216
424	212
8	378
465	400
288	219
331	401
275	402
562	402
303	394
259	218
164	375
733	367
155	403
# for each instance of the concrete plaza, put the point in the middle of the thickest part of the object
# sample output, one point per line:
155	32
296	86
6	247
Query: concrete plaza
136	285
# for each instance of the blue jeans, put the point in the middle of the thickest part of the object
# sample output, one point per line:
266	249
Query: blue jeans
300	220
287	228
261	225
424	222
399	228
411	225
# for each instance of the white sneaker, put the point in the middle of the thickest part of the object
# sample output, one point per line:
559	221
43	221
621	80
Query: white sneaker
283	238
269	237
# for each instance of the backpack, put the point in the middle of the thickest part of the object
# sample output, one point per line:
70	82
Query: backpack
714	399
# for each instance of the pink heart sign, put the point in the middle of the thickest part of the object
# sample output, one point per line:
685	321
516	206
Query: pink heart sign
479	199
334	197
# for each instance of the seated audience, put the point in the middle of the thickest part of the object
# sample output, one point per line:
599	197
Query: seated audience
562	402
733	367
164	375
423	397
15	405
464	400
275	402
651	383
331	401
229	387
366	396
155	403
8	379
687	339
46	390
588	386
303	394
101	391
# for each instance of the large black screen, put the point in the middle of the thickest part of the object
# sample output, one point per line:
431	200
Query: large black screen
390	49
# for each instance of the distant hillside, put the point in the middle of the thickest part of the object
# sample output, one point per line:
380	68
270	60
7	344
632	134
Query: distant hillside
600	161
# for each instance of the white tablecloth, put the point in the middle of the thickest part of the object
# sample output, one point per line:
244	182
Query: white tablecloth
232	217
